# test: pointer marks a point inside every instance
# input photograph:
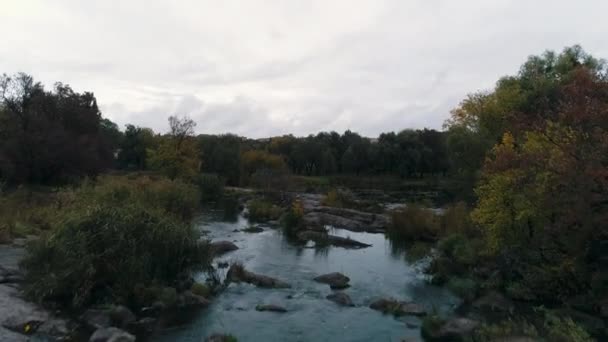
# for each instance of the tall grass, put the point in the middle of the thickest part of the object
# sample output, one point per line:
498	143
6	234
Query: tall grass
262	211
111	238
417	223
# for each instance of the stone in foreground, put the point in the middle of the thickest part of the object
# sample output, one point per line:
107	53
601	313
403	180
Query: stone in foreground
222	247
455	329
335	280
270	307
111	335
340	298
237	273
398	308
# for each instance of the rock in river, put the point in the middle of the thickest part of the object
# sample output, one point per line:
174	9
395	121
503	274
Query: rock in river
96	318
222	247
455	329
340	298
121	316
111	335
270	307
398	308
237	273
335	280
324	238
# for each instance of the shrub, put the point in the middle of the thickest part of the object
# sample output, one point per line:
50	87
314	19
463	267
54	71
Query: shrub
25	212
417	251
172	196
464	288
430	325
565	330
461	249
211	187
201	290
456	219
231	206
104	252
505	329
339	198
292	220
414	223
262	211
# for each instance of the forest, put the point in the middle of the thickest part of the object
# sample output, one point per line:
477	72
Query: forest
524	166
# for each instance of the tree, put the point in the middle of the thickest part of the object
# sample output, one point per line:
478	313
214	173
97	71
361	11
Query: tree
49	137
544	195
221	155
177	155
133	153
262	164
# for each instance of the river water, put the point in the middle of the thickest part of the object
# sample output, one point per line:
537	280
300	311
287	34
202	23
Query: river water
375	272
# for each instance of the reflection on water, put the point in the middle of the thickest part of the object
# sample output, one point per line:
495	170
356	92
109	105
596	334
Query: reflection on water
377	271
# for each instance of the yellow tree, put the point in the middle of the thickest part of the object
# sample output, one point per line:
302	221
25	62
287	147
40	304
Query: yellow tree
177	156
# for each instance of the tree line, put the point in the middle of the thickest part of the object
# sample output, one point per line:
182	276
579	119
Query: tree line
57	136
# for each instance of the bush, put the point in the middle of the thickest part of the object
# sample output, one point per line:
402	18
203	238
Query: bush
172	196
417	251
339	198
456	219
414	223
201	290
459	248
565	330
262	211
430	325
211	187
104	252
464	288
292	220
24	212
505	329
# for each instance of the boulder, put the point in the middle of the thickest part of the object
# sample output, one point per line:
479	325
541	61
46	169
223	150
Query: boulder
218	248
270	307
154	310
456	329
24	324
54	327
144	325
187	299
493	302
220	338
9	275
19	318
121	316
96	319
324	238
398	308
253	230
335	280
237	273
593	324
340	298
603	308
111	335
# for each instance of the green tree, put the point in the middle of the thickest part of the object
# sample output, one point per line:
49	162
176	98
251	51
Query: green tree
177	155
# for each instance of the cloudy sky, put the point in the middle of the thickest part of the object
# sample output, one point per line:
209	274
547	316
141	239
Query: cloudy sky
261	68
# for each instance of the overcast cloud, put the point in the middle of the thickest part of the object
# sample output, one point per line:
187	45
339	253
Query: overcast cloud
262	68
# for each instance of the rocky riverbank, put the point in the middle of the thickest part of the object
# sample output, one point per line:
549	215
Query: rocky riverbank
20	319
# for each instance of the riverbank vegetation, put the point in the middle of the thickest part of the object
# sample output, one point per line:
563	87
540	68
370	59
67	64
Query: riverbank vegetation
524	164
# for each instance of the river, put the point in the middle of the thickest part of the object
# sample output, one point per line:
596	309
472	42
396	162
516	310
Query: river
375	272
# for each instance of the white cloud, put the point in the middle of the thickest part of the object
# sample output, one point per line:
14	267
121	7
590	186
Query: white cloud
271	67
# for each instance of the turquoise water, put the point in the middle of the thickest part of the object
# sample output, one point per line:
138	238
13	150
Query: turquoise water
374	272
